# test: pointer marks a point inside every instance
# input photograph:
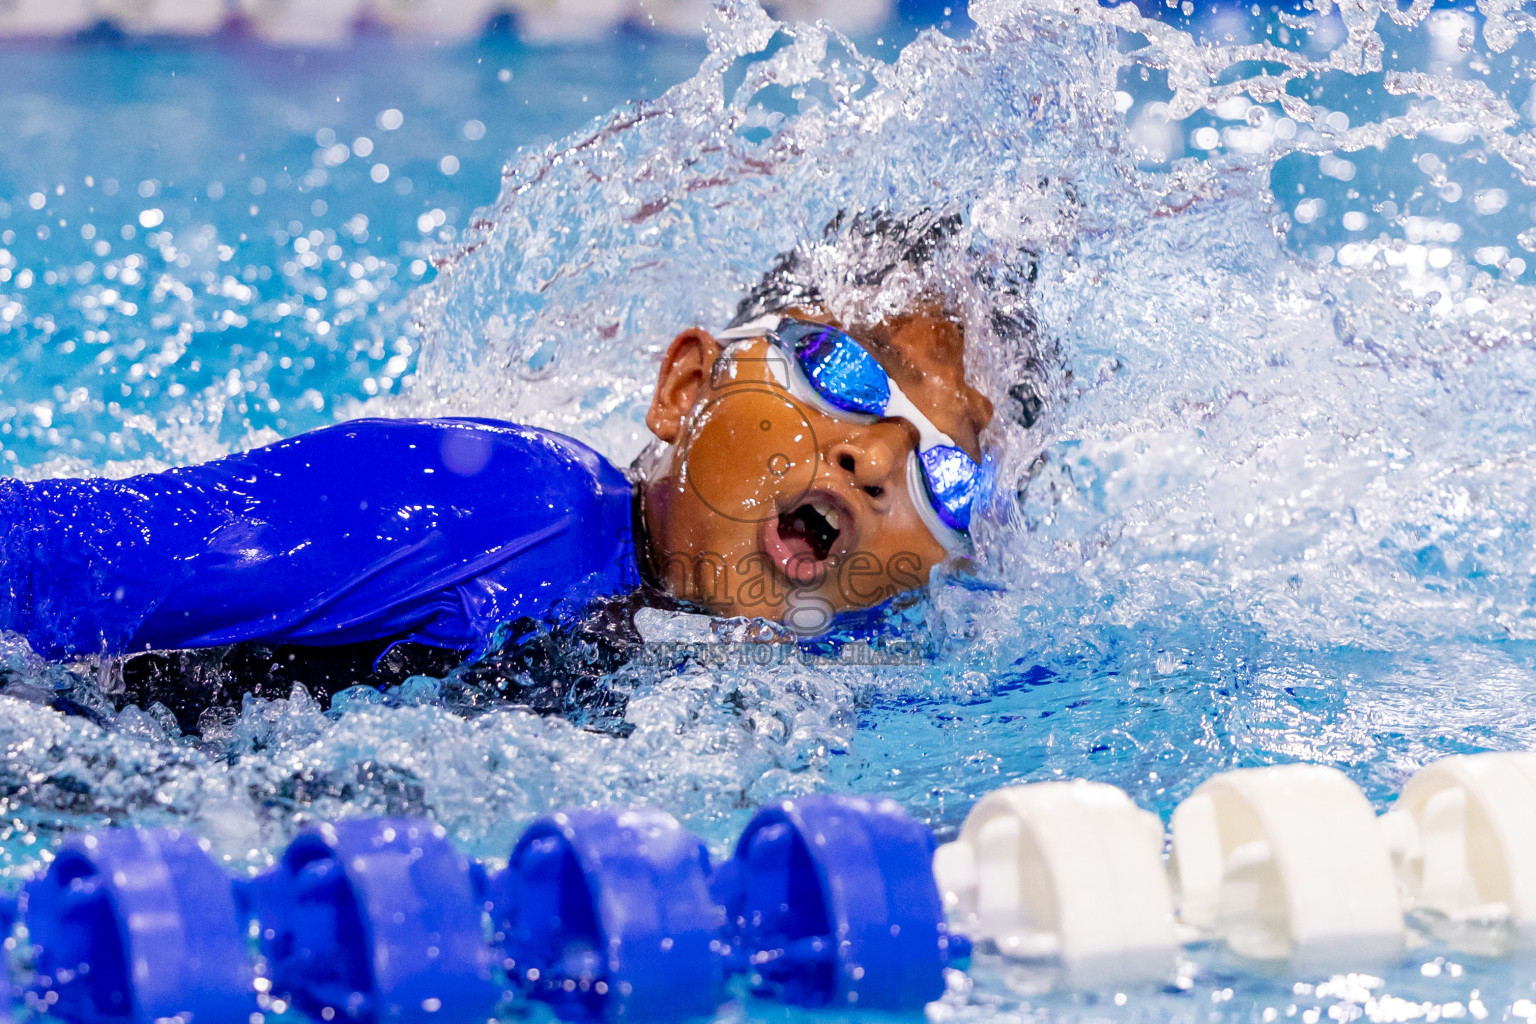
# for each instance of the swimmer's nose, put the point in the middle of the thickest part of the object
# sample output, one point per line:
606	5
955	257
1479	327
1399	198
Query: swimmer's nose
872	458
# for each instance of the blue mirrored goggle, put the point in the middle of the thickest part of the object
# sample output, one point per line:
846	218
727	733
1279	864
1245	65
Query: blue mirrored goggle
839	375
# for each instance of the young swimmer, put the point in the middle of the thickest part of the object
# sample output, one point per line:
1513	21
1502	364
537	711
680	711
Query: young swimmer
804	467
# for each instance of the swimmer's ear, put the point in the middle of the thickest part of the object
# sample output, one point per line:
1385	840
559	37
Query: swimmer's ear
682	382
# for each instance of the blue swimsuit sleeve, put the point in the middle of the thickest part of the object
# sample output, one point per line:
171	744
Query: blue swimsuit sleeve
430	530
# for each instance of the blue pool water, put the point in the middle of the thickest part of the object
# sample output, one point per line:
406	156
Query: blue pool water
1278	506
265	212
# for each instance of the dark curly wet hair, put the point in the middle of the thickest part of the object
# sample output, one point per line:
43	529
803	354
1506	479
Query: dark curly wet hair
871	245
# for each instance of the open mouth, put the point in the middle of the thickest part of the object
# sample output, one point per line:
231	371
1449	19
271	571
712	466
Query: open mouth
809	530
805	539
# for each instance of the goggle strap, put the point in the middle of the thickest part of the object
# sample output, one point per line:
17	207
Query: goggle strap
780	366
758	328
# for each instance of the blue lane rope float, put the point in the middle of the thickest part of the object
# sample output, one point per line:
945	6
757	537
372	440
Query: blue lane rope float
605	915
831	901
608	915
374	920
136	925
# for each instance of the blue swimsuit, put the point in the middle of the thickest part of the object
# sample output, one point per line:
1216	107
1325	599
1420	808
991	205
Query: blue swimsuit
433	531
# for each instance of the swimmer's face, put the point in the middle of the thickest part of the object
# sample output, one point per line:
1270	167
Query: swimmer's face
765	506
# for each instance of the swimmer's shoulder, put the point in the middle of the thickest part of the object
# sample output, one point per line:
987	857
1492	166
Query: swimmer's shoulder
445	455
462	440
